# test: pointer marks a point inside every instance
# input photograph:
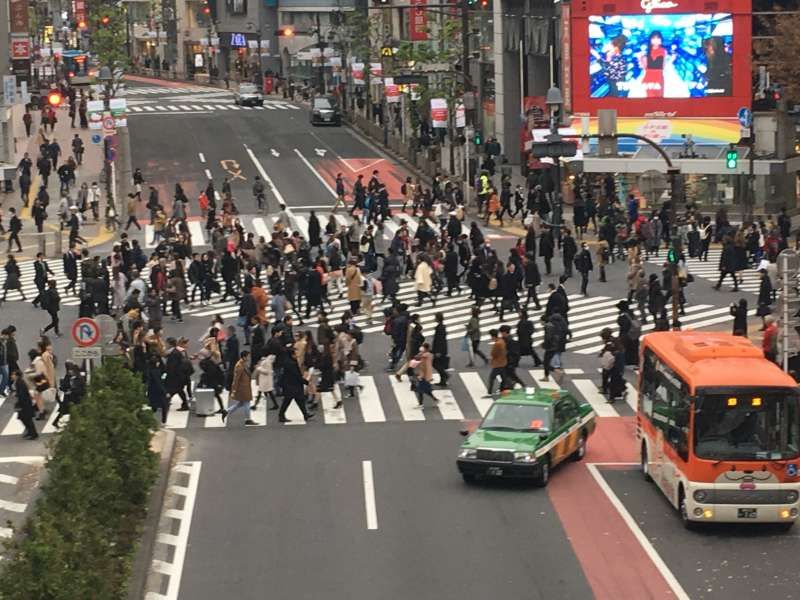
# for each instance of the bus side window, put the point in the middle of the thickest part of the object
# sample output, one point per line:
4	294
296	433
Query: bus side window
648	383
679	423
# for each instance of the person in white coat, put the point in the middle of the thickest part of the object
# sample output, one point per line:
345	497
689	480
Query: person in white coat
423	280
265	381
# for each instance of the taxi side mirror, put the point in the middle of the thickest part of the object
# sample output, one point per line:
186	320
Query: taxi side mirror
464	432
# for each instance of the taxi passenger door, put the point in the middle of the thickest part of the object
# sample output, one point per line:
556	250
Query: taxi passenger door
565	414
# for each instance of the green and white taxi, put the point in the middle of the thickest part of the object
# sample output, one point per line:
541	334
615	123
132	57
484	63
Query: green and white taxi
525	434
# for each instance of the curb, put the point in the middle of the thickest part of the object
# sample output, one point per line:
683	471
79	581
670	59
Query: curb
140	568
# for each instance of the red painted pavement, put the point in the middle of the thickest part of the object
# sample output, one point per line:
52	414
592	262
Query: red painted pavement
613	561
389	173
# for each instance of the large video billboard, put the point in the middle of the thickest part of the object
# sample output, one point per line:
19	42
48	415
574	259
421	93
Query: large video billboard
674	58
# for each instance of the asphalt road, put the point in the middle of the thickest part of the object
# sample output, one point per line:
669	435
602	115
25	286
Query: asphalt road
284	515
280	511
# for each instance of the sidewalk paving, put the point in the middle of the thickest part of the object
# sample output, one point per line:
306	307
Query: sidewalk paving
89	171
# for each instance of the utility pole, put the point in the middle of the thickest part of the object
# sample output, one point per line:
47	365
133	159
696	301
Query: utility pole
321	47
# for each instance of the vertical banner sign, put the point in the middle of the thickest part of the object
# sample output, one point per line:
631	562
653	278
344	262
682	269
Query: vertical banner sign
80	11
376	69
418	21
358	73
439	112
566	56
18	16
391	91
461	115
10	89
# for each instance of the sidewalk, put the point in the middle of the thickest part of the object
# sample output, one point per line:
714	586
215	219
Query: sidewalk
88	172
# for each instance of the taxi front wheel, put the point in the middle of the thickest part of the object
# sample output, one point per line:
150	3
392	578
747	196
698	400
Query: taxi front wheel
544	473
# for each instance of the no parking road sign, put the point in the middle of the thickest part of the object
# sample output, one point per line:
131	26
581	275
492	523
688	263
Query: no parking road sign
85	332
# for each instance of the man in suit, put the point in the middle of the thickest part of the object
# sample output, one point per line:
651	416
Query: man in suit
14	227
41	270
70	260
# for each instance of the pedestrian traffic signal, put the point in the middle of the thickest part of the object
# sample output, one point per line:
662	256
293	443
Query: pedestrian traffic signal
285	32
54	99
732	158
477	139
206	10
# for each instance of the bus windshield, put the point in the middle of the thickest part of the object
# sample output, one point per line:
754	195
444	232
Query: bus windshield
755	425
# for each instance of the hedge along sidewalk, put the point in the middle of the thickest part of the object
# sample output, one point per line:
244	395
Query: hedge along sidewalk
81	538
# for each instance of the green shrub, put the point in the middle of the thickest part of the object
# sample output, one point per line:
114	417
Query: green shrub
80	539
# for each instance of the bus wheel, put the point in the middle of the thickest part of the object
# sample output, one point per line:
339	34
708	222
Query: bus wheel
580	451
687	522
645	464
544	473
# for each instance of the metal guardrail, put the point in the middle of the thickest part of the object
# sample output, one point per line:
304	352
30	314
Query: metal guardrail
53	249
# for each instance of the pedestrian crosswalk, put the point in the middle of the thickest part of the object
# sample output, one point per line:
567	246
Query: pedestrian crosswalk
160	91
709	270
381	399
210	106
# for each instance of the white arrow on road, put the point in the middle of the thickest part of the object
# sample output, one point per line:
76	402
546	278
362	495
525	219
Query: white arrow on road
320	151
274	152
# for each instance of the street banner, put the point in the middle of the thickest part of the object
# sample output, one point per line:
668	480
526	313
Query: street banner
461	115
119	108
94	110
418	21
358	73
376	69
10	89
439	112
20	48
18	16
391	91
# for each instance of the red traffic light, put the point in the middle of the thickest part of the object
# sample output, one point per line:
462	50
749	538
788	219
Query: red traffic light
105	20
285	32
54	99
206	10
81	24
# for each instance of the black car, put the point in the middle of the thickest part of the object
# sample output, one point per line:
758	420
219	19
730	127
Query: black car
325	111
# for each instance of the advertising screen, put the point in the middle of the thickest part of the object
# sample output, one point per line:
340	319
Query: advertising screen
670	55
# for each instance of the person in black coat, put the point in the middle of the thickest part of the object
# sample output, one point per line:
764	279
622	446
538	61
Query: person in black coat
24	405
764	297
555	303
70	261
727	265
568	251
533	279
655	297
583	263
312	280
441	356
314	230
507	289
525	331
389	276
156	393
739	314
293	382
175	374
451	270
546	249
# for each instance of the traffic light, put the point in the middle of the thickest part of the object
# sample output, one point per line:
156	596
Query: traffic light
81	25
105	20
54	99
206	10
477	139
285	32
484	3
731	158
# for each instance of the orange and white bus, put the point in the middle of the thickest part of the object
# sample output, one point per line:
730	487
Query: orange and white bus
719	428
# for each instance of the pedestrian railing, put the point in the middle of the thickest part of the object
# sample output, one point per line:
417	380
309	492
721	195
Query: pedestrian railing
49	243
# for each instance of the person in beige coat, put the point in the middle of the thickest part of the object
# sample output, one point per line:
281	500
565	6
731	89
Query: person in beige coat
424	374
353	280
241	389
423	280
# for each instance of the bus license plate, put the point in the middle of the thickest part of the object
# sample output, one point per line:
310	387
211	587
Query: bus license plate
748	513
496	471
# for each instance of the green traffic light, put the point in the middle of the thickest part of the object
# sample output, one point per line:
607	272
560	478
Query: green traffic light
731	159
477	139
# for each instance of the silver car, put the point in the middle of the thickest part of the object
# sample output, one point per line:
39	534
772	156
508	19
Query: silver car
248	95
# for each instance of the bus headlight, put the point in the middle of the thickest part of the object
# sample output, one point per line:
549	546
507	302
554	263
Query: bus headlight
791	496
700	496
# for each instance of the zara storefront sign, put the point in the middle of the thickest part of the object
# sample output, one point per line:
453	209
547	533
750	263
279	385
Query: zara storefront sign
649	6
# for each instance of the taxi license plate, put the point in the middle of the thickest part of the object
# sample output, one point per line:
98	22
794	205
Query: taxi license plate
327	117
496	471
748	513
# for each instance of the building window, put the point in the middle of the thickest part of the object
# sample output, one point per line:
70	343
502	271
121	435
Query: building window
236	7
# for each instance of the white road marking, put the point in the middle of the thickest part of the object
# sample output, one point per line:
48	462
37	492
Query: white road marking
406	400
315	172
265	177
202	157
448	406
369	400
589	391
332	415
648	548
196	231
208	174
369	495
474	384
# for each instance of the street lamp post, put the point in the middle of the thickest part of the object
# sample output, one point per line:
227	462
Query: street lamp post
554	101
259	71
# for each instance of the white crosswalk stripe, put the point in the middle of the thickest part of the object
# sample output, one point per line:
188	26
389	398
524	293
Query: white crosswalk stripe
382	399
709	270
158	91
205	106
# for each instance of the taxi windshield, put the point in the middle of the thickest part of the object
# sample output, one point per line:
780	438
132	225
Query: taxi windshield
760	425
517	417
323	103
247	88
